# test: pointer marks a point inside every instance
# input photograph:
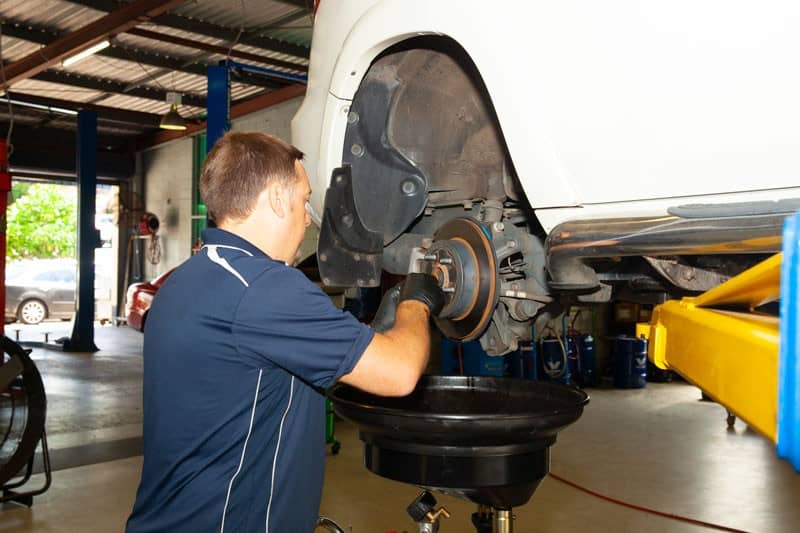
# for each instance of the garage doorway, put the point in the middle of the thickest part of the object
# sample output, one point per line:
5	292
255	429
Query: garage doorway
41	262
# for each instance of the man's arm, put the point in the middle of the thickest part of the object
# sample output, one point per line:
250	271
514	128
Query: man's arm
395	358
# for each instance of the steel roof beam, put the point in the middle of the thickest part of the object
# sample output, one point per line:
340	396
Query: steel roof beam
45	36
229	34
183	65
116	87
221	50
105	113
201	27
114	22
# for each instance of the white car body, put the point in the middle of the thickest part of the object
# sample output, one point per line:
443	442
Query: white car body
608	109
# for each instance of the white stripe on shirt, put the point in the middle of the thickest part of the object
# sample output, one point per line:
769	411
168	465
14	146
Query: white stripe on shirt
277	448
215	257
244	449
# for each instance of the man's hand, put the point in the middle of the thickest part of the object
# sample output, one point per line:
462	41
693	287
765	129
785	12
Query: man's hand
420	287
386	314
423	288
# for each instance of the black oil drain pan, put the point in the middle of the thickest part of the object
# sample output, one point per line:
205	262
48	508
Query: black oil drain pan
485	439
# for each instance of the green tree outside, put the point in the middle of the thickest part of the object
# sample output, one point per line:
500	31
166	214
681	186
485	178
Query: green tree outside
19	189
42	223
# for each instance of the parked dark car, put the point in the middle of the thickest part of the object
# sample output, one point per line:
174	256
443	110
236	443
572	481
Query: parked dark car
40	289
139	298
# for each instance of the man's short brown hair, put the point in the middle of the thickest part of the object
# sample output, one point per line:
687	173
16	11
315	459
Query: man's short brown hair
239	167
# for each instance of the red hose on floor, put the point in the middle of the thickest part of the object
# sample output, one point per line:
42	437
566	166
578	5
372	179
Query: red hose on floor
644	509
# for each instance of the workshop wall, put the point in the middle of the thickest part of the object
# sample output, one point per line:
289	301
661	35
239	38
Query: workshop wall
167	171
168	193
275	120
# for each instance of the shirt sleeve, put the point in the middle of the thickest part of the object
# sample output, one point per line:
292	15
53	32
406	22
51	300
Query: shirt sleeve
286	320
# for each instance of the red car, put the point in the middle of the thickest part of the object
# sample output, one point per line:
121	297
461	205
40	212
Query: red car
139	298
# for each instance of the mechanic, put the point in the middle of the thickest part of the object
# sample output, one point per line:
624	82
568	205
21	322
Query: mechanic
238	346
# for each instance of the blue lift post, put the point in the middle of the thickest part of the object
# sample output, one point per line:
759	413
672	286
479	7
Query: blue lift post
218	103
788	358
218	99
218	108
82	338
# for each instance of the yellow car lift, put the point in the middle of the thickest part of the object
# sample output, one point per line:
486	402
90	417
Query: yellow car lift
721	342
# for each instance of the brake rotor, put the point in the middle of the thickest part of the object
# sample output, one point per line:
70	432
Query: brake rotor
462	259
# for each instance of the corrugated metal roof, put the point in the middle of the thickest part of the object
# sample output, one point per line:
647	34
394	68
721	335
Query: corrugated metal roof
151	45
273	55
14	48
107	68
249	14
182	82
55	90
145	105
66	16
270	18
240	91
293	33
158	47
296	29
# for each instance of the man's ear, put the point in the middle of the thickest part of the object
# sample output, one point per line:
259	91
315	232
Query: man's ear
277	200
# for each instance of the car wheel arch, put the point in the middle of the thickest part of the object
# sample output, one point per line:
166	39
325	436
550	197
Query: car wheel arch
398	135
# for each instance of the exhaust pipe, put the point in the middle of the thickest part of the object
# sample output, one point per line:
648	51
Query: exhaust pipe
571	242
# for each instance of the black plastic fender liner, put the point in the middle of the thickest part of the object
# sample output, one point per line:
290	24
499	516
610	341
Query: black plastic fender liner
389	190
348	254
21	426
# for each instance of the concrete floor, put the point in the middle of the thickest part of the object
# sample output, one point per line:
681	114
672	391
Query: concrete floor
659	447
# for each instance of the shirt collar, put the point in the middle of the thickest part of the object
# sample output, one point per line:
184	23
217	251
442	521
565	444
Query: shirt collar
226	238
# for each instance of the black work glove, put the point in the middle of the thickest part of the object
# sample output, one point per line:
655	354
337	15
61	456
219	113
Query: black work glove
387	310
423	288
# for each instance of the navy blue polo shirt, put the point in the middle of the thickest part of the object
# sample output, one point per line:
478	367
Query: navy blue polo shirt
236	347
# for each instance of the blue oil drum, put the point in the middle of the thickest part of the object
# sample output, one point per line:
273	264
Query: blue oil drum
630	362
474	360
555	362
586	360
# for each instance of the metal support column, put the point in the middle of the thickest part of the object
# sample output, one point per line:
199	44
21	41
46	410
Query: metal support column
218	102
788	359
5	189
82	339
